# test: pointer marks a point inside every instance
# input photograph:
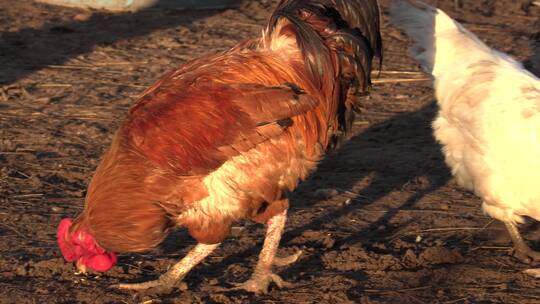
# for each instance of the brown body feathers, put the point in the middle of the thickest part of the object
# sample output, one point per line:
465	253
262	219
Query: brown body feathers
224	137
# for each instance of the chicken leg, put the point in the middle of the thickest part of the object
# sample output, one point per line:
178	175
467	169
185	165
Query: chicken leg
174	276
263	274
522	251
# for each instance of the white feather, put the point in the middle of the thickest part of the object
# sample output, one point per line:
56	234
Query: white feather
489	117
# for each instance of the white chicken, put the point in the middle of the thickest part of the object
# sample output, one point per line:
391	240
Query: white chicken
489	116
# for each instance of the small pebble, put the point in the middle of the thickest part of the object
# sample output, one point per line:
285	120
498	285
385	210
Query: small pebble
444	207
328	241
56	209
237	231
533	272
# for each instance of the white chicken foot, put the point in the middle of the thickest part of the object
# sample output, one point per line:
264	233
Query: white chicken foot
263	274
521	250
178	271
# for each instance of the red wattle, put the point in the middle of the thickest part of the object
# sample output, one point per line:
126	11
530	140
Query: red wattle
100	262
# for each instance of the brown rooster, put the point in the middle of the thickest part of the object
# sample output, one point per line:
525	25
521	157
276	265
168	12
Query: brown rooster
225	137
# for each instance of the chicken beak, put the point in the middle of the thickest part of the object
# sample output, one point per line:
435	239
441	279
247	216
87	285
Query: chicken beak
81	267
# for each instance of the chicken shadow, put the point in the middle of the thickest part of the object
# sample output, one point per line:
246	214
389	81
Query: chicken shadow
533	62
31	49
394	154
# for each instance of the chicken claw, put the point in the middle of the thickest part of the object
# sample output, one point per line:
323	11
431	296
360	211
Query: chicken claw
258	284
173	278
521	251
164	285
263	274
526	254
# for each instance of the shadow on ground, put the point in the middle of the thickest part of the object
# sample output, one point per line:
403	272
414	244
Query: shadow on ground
28	50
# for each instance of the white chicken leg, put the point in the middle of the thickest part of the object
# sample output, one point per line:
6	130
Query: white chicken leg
178	271
263	274
521	250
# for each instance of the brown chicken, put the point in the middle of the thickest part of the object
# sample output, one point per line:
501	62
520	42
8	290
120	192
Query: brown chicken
225	137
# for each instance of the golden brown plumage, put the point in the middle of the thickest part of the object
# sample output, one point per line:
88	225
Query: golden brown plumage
225	137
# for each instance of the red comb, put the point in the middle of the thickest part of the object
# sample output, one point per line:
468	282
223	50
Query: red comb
61	234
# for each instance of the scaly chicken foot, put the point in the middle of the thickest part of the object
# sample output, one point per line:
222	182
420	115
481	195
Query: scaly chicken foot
172	278
521	250
259	279
263	274
259	282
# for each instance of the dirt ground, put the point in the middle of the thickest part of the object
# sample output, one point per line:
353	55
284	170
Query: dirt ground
398	229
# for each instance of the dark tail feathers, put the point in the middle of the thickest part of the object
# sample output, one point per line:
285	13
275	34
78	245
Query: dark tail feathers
350	29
